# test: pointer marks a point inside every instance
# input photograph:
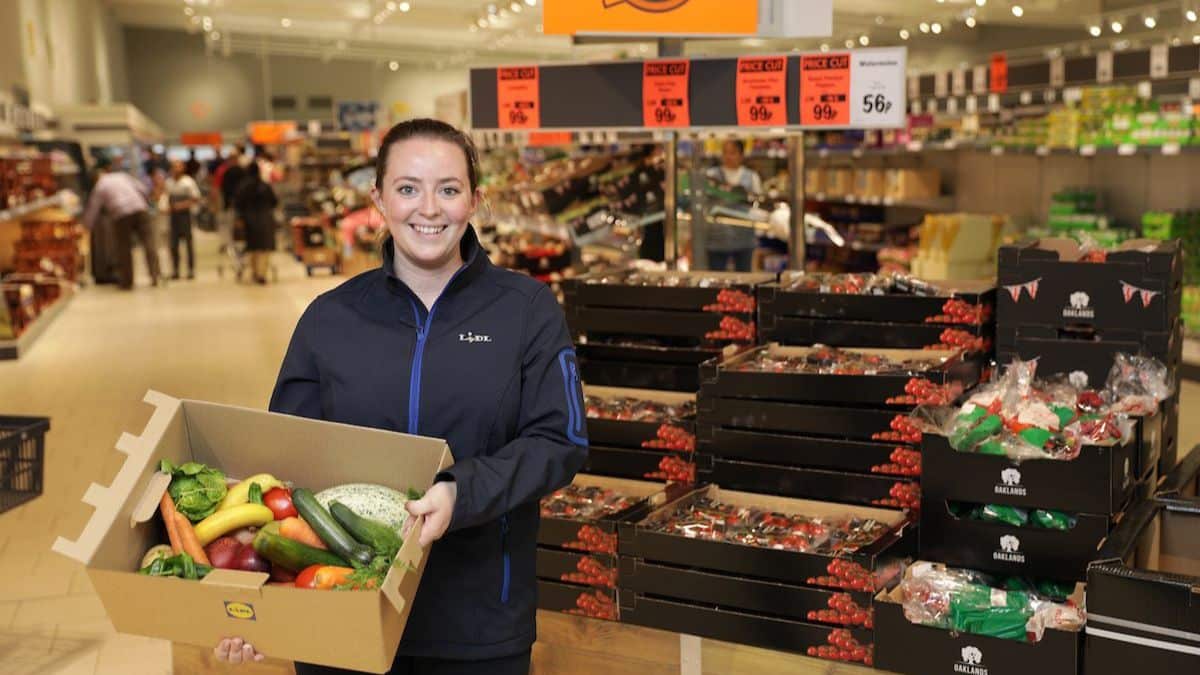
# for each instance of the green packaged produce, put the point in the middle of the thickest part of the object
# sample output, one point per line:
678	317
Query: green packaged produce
999	513
1053	520
1035	436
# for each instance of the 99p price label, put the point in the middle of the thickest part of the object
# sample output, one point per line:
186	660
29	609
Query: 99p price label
762	90
665	94
518	98
825	89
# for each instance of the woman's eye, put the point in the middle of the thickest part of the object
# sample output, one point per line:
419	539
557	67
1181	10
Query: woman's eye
407	190
451	191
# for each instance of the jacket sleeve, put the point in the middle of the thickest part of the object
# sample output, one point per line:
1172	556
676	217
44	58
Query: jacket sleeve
298	388
551	442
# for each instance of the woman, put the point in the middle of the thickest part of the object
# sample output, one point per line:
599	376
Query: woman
440	342
182	195
731	247
255	202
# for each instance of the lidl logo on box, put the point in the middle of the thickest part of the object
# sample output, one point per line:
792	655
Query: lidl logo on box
239	610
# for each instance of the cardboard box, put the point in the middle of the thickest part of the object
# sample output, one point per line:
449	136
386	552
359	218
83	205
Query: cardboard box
792	481
910	184
775	300
948	369
279	621
1045	282
870	184
866	334
838	183
856	423
572	533
913	649
1143	613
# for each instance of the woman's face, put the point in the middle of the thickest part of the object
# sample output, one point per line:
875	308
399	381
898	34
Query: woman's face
427	200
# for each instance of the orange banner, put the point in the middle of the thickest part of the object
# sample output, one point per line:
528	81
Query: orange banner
998	74
762	90
270	133
659	17
825	90
544	138
201	138
518	98
665	94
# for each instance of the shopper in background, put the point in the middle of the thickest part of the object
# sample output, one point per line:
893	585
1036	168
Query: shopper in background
193	164
123	200
255	204
183	198
731	247
227	180
440	342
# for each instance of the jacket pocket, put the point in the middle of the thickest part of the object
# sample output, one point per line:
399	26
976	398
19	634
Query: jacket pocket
506	578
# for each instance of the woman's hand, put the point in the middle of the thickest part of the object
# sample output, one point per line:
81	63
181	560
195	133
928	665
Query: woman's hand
437	506
235	651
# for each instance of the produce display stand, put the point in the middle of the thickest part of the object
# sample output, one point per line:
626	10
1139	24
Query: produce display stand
15	348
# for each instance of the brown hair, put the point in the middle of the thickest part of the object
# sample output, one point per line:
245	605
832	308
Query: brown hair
425	127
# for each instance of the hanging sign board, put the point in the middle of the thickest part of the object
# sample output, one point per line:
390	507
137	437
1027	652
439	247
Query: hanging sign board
357	115
544	138
941	84
958	85
825	90
762	90
876	87
1158	61
979	81
518	98
998	73
212	138
1104	67
270	133
665	94
1058	71
689	18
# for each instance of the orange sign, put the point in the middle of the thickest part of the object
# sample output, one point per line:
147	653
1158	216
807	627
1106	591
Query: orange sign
825	90
658	17
665	94
271	133
201	138
762	90
998	74
518	97
544	138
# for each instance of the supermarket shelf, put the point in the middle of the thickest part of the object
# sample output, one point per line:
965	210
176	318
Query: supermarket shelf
16	213
943	203
917	148
13	349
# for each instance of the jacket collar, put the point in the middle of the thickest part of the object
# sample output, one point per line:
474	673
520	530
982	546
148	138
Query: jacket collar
474	257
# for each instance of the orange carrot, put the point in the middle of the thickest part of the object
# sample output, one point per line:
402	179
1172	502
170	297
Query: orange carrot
167	507
187	537
329	577
297	530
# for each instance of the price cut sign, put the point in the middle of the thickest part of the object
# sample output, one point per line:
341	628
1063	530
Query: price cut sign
665	94
825	90
518	98
762	90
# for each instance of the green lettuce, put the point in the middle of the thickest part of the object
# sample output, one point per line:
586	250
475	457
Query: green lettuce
195	488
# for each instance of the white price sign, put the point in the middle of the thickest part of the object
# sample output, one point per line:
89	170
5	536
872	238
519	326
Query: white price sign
994	103
1058	71
1104	67
952	106
1050	96
1194	88
1072	95
979	80
972	105
958	83
914	86
1145	89
1026	97
941	88
1158	61
931	105
877	88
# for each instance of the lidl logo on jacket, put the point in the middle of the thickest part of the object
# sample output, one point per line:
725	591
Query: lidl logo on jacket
473	338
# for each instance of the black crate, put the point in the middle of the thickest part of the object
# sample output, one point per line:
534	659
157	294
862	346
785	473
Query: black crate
573	533
794	601
632	433
1044	283
1169	441
912	649
577	599
22	459
775	301
719	380
1062	352
558	565
582	292
880	559
805	331
627	462
1002	549
759	630
643	367
797	450
651	322
1100	480
832	486
858	423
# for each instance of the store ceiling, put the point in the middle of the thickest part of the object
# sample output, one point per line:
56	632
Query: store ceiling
439	32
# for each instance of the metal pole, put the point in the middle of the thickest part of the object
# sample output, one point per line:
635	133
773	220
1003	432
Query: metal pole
670	222
795	146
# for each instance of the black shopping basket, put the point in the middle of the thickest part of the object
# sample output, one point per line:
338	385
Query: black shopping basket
22	459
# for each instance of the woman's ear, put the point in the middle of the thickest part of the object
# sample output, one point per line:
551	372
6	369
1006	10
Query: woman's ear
377	200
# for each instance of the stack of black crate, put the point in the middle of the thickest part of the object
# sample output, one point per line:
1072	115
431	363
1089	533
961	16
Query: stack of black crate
640	434
1074	311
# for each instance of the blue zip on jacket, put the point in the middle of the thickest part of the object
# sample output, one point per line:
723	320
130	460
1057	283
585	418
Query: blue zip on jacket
489	368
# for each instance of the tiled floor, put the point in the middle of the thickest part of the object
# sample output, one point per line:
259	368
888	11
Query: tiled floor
207	339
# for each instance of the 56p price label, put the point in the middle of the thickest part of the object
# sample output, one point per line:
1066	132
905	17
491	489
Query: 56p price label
876	103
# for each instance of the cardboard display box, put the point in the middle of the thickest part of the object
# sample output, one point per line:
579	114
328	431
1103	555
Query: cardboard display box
774	300
1061	352
791	481
947	369
909	184
595	603
870	184
572	533
805	331
1144	587
279	621
584	293
797	450
912	649
632	433
1045	282
820	420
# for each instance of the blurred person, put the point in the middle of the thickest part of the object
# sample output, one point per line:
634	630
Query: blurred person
123	200
731	247
193	165
255	204
183	198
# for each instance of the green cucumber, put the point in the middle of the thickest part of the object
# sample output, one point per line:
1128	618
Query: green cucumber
337	539
292	555
373	533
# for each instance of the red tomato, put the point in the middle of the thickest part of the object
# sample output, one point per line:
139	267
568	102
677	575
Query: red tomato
279	500
307	578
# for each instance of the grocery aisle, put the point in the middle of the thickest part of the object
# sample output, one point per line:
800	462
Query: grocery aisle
208	339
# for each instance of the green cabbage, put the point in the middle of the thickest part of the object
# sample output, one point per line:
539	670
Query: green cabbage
195	488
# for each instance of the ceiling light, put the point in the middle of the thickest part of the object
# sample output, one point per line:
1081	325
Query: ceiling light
404	6
849	44
216	35
1191	15
493	19
391	5
980	3
879	21
491	8
207	22
1150	20
970	22
1117	26
935	27
285	22
515	6
941	2
864	39
1018	11
195	20
189	2
904	34
1196	39
531	3
1095	30
1176	41
824	46
481	22
643	48
394	66
188	11
474	28
924	27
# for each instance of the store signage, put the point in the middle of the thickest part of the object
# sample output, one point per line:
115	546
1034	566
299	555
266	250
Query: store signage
941	84
1058	71
877	87
914	86
270	133
762	90
998	73
1194	88
972	105
979	81
212	138
683	18
952	106
544	138
665	94
357	115
1158	62
1104	67
518	97
825	89
958	83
